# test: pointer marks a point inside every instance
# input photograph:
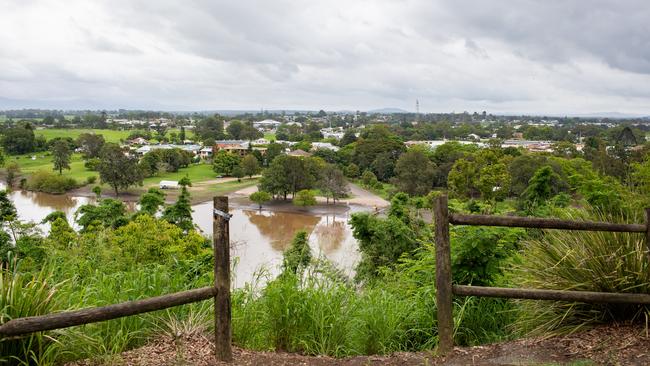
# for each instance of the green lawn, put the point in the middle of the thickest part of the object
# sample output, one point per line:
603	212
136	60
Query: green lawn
43	161
227	187
269	135
196	172
109	135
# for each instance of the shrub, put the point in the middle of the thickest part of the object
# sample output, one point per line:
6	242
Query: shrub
304	198
582	261
92	164
91	180
44	181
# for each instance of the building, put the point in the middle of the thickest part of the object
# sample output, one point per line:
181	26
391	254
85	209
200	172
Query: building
323	145
267	124
299	153
432	144
194	149
205	153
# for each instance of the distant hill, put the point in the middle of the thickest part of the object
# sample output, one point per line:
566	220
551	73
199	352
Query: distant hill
388	111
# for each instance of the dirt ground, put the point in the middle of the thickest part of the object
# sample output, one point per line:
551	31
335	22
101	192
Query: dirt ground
607	345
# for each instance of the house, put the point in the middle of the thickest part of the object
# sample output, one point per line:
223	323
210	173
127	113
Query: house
323	145
194	149
261	141
267	124
205	153
138	141
169	184
299	153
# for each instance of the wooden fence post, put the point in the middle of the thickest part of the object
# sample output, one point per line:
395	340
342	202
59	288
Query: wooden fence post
222	311
444	300
647	230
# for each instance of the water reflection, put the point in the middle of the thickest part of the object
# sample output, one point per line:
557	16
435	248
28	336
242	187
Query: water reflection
280	227
258	238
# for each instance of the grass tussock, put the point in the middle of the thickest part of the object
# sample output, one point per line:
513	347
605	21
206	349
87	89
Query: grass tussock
582	261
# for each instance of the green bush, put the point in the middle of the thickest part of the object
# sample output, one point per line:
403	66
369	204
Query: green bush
582	261
91	180
305	197
44	181
92	164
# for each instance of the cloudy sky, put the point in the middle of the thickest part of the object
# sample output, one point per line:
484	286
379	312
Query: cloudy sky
522	56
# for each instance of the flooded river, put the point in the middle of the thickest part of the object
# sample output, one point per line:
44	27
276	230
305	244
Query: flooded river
258	238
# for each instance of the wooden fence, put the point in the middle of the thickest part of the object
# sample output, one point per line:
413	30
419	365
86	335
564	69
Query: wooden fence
446	290
220	292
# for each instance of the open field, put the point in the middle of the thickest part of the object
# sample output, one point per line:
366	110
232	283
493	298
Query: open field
43	161
269	135
196	172
109	135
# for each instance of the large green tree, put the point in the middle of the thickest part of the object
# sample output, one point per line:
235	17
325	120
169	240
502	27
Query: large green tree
249	165
91	144
117	169
210	129
415	173
19	140
61	155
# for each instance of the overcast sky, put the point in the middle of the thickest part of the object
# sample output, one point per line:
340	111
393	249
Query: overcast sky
519	56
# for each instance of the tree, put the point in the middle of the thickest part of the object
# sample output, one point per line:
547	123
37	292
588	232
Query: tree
290	174
108	213
540	187
250	165
415	173
235	129
180	213
224	162
61	156
151	201
260	197
19	140
298	255
238	173
181	136
304	198
349	137
352	170
118	170
91	144
332	183
97	190
210	129
272	150
13	169
494	182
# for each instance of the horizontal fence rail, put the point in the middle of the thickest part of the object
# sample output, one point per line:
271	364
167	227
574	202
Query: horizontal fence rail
543	223
67	319
445	289
558	295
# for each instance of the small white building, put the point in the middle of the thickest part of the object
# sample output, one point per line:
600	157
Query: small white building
205	153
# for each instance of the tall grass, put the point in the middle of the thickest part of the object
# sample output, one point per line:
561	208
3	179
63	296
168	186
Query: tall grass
582	261
22	296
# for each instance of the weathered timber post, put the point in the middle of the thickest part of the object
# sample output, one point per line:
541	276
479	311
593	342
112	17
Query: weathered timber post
647	231
443	277
222	311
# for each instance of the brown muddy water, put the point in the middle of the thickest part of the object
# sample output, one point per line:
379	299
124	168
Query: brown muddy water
258	237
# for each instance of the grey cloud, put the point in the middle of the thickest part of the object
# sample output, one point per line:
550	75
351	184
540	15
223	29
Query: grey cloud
532	56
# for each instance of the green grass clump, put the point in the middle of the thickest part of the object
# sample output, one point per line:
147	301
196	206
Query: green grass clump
21	296
582	261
